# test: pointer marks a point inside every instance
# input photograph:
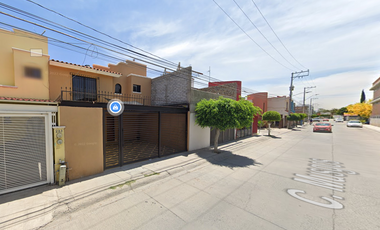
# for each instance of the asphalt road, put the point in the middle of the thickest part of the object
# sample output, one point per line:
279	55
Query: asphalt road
299	180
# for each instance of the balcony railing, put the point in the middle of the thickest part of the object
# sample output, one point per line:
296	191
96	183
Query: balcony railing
103	97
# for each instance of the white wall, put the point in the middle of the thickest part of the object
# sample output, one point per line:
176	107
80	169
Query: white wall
198	137
375	121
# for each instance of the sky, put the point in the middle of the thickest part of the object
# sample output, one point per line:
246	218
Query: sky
337	41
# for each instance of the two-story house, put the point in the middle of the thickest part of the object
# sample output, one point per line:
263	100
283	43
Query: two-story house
26	112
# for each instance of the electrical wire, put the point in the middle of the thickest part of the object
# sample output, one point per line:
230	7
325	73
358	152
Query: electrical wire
116	39
204	78
250	36
277	35
264	36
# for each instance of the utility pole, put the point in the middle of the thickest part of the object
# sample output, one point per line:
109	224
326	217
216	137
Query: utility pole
311	108
291	88
304	94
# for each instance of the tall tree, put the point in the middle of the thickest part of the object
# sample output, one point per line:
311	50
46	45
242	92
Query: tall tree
225	113
362	97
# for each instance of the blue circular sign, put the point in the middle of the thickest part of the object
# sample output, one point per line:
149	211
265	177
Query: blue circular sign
115	107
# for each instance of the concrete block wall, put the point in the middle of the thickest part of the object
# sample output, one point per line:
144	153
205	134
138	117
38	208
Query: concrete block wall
225	90
172	88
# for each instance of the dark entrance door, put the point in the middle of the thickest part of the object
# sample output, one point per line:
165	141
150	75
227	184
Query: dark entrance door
140	135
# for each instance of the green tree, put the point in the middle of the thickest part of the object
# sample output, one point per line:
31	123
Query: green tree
362	97
342	110
271	116
225	113
302	116
294	117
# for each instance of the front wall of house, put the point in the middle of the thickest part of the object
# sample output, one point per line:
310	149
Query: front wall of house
83	140
28	86
376	109
21	40
278	104
376	93
62	77
16	60
260	100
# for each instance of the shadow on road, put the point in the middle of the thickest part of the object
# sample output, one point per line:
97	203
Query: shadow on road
230	160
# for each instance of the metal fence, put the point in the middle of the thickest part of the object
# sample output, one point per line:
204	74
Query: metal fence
68	94
103	97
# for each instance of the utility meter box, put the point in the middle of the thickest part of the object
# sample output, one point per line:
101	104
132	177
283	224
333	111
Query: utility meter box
62	175
59	149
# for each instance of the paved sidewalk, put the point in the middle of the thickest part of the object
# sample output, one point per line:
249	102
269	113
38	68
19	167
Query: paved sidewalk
372	127
35	207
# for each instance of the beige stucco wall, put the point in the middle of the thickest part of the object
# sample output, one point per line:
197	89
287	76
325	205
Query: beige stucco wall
128	67
62	77
15	55
278	104
83	140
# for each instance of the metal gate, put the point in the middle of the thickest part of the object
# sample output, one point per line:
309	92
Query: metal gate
173	133
224	136
22	152
135	136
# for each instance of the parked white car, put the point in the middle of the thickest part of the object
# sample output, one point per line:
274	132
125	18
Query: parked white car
354	123
339	119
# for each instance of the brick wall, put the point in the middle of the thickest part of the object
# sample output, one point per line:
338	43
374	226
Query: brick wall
228	90
172	88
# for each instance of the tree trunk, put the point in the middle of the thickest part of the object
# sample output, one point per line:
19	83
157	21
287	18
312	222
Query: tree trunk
216	141
269	128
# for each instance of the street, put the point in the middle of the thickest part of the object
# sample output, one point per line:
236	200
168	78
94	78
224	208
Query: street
297	180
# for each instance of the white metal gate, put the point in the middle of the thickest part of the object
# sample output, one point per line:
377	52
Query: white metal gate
23	151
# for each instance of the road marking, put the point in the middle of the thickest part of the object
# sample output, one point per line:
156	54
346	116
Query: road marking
333	204
325	174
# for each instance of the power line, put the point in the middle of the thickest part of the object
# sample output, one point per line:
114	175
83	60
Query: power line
67	29
250	36
277	35
95	30
264	35
205	78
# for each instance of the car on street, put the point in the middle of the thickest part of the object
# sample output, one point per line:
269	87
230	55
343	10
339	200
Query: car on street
325	119
339	119
322	127
354	123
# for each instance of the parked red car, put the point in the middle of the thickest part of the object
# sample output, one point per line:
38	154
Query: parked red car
322	127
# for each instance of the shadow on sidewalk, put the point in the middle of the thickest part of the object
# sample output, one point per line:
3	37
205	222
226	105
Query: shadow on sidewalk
228	159
273	136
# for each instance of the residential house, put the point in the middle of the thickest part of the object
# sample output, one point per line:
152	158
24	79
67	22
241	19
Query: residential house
260	100
281	105
26	112
375	117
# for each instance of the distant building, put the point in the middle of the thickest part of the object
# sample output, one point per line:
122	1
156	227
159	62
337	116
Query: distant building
281	105
375	117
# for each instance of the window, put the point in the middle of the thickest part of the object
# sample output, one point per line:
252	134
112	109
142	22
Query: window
32	72
117	88
137	88
84	88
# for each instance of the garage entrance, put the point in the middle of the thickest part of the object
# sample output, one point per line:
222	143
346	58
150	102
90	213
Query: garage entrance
140	135
23	151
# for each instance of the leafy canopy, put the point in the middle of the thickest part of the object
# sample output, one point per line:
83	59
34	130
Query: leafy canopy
294	117
225	113
363	110
271	116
